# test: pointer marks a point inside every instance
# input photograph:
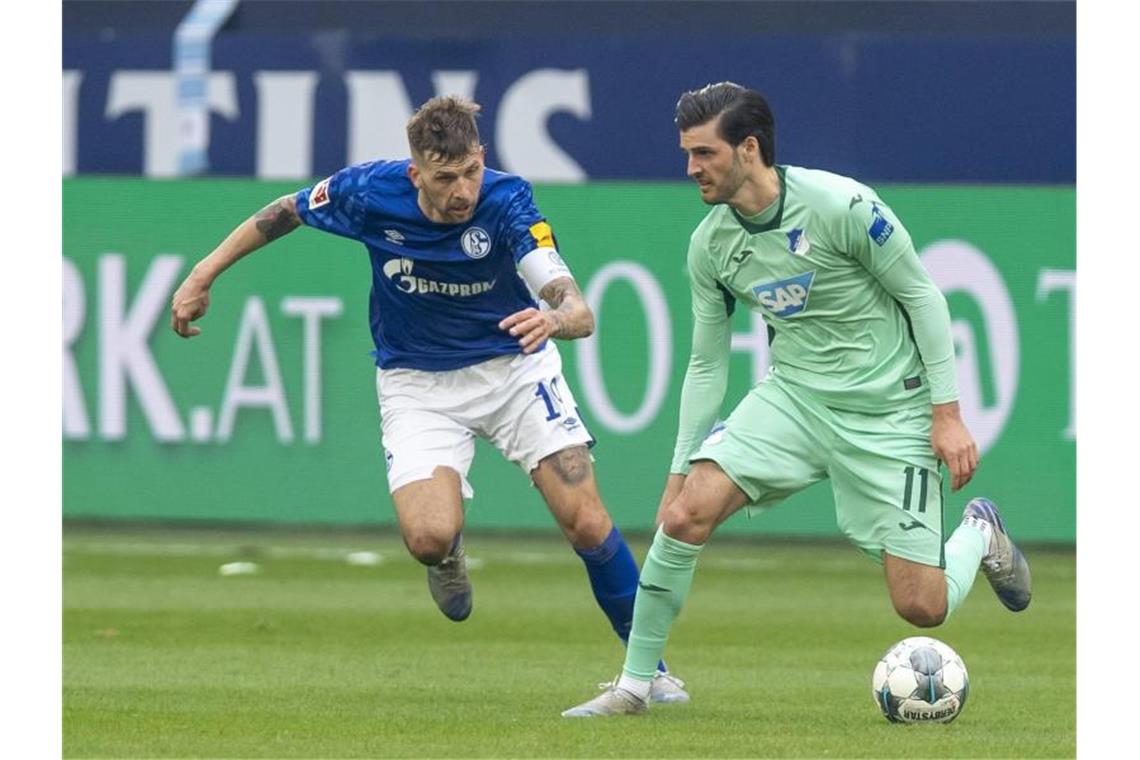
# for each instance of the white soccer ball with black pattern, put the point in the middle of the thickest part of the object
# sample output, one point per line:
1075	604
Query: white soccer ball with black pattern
920	680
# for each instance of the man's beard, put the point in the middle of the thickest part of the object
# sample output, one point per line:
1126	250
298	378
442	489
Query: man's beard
732	182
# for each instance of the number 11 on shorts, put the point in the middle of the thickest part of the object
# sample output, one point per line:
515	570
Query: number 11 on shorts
908	489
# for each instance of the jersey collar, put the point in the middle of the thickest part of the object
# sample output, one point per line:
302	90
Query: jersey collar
774	223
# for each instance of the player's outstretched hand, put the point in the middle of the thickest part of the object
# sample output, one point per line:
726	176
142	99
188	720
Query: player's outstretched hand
953	444
531	327
189	303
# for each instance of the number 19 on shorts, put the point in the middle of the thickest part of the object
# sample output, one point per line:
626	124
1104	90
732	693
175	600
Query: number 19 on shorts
551	397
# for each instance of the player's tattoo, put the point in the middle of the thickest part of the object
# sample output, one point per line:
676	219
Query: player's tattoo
555	291
570	312
277	219
571	465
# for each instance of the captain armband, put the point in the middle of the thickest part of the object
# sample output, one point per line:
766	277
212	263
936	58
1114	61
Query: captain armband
542	266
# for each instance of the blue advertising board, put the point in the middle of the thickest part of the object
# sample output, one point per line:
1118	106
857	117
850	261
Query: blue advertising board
890	107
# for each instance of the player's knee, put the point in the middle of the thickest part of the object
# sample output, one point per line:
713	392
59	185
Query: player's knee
922	612
430	549
589	526
687	519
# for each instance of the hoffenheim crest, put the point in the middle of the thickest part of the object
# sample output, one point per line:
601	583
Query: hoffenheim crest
798	244
476	242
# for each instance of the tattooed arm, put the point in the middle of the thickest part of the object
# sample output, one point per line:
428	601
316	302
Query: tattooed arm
193	296
573	317
569	316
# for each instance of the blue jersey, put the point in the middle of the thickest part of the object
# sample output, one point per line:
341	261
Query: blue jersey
439	291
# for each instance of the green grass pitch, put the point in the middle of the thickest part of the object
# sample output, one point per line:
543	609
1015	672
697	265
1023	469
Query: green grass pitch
316	657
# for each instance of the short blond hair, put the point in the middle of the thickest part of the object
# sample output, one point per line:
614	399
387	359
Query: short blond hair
443	129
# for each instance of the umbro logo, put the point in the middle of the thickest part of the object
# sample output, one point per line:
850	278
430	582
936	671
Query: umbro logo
394	236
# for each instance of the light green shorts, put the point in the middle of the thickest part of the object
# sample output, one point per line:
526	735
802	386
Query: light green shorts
885	477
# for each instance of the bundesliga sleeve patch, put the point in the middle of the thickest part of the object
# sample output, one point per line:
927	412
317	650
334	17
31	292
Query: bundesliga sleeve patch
542	234
320	194
881	229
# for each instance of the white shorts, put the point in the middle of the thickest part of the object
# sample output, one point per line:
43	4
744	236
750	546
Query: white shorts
520	403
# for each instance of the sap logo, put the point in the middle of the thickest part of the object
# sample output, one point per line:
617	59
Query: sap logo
881	229
785	297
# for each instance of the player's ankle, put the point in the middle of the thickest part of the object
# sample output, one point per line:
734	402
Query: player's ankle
635	686
982	526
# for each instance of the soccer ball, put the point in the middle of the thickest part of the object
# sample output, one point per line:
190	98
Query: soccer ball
920	680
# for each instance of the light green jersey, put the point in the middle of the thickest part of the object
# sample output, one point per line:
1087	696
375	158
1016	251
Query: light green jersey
835	276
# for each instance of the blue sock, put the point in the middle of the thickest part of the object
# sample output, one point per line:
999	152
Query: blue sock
613	578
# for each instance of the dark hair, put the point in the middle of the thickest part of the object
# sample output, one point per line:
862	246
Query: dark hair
742	113
444	128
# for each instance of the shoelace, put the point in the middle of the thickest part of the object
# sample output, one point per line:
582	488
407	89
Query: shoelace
606	685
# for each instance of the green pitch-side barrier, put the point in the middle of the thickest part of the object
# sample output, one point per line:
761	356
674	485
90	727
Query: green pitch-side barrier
270	414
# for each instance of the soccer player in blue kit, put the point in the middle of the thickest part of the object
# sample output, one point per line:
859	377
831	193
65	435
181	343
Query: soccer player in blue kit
458	254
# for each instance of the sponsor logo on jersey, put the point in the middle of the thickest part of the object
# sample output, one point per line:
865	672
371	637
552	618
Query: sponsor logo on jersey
785	297
399	271
542	234
319	196
881	229
798	243
394	236
476	242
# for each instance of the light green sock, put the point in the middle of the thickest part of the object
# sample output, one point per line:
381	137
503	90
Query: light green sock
661	591
964	552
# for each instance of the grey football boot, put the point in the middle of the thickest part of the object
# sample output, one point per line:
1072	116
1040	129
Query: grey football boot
449	585
1004	566
612	701
667	689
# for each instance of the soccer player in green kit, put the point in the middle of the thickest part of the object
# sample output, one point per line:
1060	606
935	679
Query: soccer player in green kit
861	389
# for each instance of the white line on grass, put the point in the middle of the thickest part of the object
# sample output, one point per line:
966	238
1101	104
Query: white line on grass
560	557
